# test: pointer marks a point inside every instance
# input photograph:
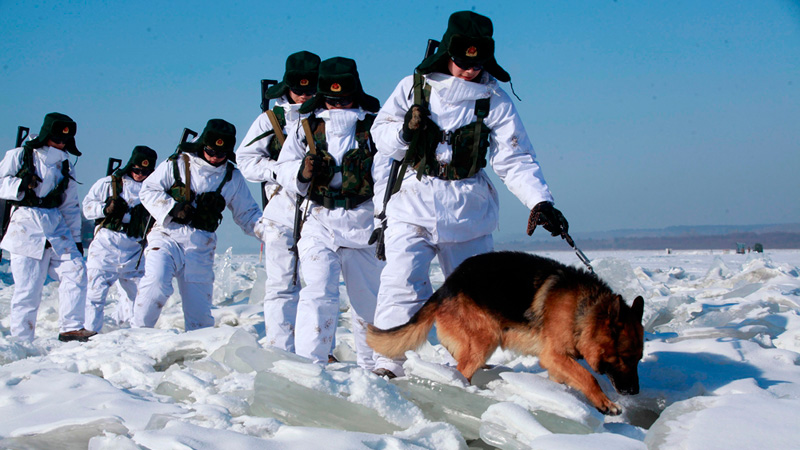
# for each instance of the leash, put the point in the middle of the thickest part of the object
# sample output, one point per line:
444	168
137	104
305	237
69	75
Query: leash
581	256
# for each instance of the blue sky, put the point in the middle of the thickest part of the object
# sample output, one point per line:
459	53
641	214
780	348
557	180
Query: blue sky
643	114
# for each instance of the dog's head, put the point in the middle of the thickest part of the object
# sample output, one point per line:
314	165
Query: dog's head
621	344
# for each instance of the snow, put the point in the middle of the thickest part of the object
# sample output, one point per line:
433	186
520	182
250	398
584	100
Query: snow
720	370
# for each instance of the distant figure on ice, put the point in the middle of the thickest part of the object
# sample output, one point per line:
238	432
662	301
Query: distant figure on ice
186	195
445	123
330	160
257	158
44	232
115	254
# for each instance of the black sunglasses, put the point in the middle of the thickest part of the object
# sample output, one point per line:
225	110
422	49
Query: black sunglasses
215	153
339	101
141	171
466	65
302	92
58	139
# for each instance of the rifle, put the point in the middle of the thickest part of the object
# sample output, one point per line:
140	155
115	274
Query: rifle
395	178
265	84
298	226
113	165
5	206
187	193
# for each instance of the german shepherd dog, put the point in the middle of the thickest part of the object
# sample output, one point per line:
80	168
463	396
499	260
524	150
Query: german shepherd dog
534	306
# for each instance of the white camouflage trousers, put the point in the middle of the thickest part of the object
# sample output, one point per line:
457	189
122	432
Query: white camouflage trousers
29	277
280	294
406	282
318	308
100	281
162	264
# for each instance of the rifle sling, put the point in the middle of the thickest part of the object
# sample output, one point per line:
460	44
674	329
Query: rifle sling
276	126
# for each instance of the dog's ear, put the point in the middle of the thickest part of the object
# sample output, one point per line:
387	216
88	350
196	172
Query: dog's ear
613	309
637	310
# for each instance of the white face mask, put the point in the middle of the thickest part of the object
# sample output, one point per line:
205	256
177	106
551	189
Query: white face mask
341	122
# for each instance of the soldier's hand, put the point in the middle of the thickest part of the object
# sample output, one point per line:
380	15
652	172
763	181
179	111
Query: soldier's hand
182	213
414	120
29	182
311	166
115	207
551	219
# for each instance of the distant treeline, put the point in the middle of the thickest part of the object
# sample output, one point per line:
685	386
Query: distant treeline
774	240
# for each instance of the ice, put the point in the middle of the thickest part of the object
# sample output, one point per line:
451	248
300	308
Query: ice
720	370
619	276
294	404
510	427
68	437
695	423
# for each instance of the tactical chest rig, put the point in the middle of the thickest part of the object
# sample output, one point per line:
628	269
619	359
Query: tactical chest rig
356	167
139	216
209	205
469	143
54	199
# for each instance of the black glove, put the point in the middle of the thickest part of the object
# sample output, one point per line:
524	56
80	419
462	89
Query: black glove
311	164
550	218
115	207
182	213
29	182
417	118
80	247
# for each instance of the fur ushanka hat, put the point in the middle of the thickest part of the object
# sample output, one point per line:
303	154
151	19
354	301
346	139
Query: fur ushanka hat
338	77
57	127
468	40
218	134
142	156
302	71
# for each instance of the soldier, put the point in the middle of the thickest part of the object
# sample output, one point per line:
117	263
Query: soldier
257	158
122	221
456	118
44	232
330	161
186	196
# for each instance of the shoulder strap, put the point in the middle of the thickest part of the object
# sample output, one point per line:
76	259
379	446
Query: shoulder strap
481	111
312	147
116	186
228	176
276	126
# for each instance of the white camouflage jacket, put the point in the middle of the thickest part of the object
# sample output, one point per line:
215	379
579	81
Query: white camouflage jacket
460	210
30	228
111	250
347	228
256	166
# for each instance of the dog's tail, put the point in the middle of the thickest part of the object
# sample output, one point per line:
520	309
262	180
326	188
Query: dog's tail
395	341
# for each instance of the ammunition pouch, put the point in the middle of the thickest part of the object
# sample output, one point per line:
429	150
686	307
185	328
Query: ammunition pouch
54	198
469	143
333	200
208	212
139	219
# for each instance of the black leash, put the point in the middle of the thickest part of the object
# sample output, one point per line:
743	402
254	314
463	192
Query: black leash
581	256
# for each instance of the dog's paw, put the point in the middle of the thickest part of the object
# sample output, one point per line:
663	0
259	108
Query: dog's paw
610	408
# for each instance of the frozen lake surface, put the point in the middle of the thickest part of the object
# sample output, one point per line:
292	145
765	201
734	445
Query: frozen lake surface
720	370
